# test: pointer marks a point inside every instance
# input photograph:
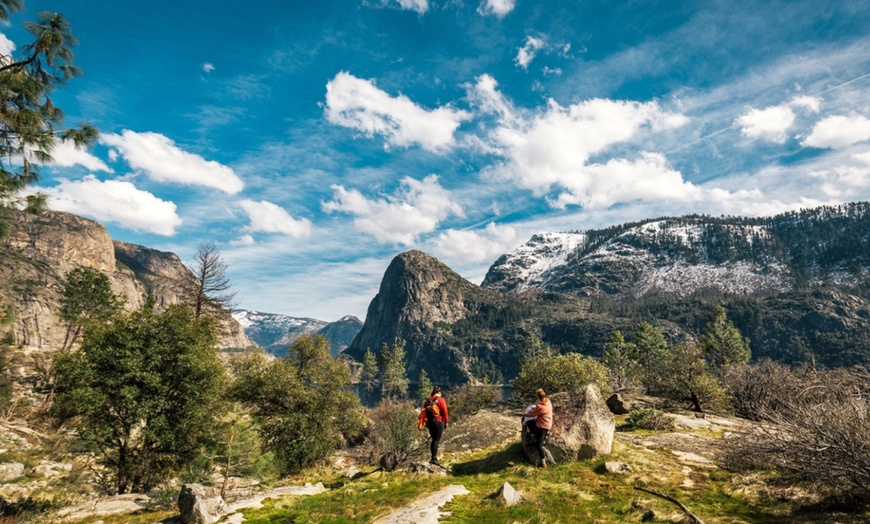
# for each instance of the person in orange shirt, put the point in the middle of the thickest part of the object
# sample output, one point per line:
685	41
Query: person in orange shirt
540	425
437	424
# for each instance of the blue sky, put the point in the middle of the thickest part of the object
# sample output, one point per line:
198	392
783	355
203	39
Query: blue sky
314	141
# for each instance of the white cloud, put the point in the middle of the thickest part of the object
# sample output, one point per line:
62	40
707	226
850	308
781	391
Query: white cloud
552	147
416	208
472	247
771	123
6	46
356	103
207	67
270	218
163	161
813	104
835	132
499	8
420	6
244	240
527	53
65	154
115	201
620	180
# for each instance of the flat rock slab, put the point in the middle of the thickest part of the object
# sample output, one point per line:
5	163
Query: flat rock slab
106	506
256	502
426	510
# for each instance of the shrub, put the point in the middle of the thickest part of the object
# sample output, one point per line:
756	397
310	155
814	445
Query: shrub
818	436
392	433
562	373
466	400
649	418
761	388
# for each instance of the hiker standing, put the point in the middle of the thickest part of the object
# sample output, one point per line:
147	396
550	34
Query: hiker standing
435	409
540	420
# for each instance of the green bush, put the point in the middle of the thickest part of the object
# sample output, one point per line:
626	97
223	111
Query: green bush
466	400
562	373
649	418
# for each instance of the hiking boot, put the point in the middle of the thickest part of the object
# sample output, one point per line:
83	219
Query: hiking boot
435	462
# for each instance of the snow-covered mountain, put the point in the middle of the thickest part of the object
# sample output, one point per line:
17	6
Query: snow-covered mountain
686	255
275	332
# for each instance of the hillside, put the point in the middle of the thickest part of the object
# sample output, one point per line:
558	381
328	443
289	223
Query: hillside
795	284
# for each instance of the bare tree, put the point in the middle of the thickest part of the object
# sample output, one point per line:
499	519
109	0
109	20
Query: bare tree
212	282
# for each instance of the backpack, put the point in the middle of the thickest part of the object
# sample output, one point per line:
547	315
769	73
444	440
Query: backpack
431	409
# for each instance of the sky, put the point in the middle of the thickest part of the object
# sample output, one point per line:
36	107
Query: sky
314	141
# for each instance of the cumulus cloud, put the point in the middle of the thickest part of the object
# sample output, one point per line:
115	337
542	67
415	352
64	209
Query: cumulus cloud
836	132
6	46
527	53
474	247
499	8
243	241
358	104
771	123
552	147
115	201
416	208
163	161
65	154
207	67
271	218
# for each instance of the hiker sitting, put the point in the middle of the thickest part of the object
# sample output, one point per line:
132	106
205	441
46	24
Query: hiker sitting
541	422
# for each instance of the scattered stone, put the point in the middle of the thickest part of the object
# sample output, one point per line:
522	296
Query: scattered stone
618	405
200	504
691	457
352	473
648	516
617	467
508	495
48	469
425	467
11	471
684	422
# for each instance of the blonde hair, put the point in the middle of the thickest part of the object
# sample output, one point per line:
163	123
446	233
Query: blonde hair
541	395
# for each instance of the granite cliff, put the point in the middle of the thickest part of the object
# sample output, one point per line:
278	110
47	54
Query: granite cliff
40	250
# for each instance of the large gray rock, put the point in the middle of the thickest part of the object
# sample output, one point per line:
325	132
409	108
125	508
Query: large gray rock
200	504
583	427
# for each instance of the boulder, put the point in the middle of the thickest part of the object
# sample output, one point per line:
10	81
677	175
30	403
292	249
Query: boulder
618	405
508	495
200	504
11	471
583	427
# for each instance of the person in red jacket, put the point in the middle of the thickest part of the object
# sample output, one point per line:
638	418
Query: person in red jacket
542	422
437	423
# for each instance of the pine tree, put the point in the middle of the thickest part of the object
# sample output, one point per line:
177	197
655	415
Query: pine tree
722	343
29	127
210	289
617	356
369	374
424	385
650	349
394	377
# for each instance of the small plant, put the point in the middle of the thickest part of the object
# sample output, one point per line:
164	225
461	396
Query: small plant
649	418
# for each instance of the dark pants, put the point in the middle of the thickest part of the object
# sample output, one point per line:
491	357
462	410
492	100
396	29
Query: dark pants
539	434
436	429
